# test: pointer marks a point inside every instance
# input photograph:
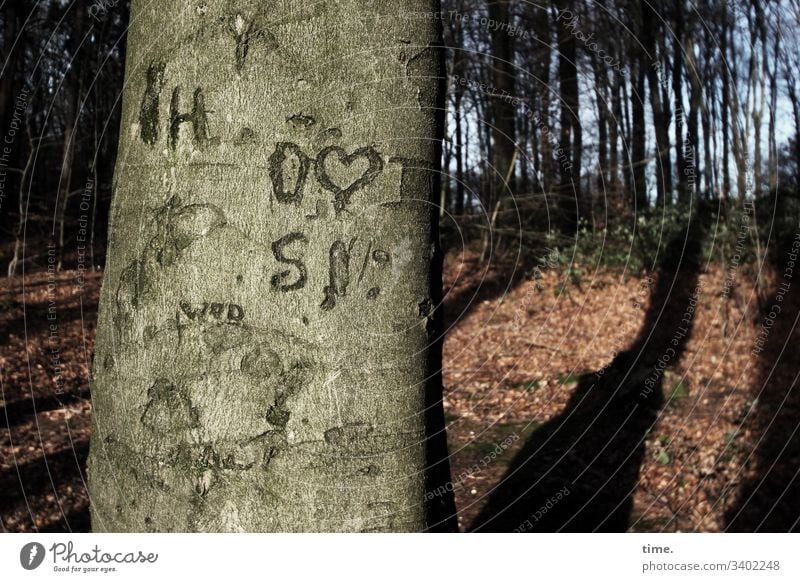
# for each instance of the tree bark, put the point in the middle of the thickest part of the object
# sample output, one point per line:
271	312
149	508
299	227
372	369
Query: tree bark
502	100
541	68
267	347
680	115
7	79
571	203
651	29
628	153
601	87
615	128
457	88
725	106
638	138
794	99
692	151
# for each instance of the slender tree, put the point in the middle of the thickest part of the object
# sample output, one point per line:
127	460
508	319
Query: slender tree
638	97
570	196
652	28
504	79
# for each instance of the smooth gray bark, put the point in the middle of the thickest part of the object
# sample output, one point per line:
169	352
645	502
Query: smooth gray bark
267	310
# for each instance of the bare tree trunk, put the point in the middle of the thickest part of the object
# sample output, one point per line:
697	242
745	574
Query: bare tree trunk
445	194
725	105
794	99
71	84
19	232
459	153
691	152
7	78
542	129
759	97
638	147
571	202
601	85
267	349
650	30
739	142
627	103
459	62
677	89
65	179
773	106
503	111
614	134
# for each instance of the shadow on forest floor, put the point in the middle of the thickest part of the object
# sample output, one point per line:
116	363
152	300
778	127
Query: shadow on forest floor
473	282
48	323
769	497
578	471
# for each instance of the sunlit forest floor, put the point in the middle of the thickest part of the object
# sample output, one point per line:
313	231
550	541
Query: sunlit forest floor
512	359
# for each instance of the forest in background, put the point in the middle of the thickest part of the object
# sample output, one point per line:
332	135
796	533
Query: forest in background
567	122
606	163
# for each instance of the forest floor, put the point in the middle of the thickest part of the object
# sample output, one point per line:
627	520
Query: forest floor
513	357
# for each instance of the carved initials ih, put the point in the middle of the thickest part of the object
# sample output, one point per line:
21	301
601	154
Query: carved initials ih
149	112
197	117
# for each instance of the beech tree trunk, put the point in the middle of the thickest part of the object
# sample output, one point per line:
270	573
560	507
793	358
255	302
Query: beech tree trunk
502	100
652	28
724	72
541	69
572	205
638	137
268	339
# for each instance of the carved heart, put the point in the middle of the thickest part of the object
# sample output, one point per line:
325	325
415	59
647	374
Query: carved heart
342	194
